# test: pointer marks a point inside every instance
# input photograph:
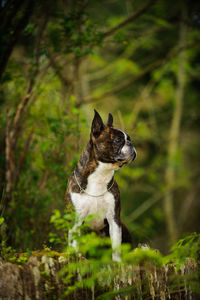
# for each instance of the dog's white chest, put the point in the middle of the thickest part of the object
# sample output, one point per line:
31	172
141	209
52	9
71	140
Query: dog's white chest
100	208
96	200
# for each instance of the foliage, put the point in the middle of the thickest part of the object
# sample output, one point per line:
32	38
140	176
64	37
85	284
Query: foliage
187	247
92	266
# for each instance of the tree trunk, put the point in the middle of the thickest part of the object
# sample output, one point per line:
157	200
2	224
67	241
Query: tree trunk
174	136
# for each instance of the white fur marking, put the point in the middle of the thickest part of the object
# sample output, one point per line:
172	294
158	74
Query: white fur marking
125	149
102	206
116	239
97	181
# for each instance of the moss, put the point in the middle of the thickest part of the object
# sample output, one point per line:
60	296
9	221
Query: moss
22	258
48	252
44	274
18	258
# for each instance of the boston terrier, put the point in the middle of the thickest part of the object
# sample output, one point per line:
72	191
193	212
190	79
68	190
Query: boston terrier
92	189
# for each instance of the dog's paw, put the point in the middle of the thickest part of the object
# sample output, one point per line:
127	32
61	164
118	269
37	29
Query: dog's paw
116	256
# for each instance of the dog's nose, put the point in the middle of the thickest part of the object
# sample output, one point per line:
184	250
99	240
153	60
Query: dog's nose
134	154
129	143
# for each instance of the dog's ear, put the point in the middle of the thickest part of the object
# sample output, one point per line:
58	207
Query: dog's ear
97	125
110	120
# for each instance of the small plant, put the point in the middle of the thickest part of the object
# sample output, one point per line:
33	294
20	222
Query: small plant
187	247
6	252
62	224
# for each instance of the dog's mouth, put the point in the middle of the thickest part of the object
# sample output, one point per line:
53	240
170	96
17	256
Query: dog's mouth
128	159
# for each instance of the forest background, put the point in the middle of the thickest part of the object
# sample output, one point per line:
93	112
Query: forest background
138	60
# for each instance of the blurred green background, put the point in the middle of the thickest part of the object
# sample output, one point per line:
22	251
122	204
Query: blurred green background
138	60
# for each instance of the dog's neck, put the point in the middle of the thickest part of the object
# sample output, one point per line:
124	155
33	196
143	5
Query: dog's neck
89	165
87	162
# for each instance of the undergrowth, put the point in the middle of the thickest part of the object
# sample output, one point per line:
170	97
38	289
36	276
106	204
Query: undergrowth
91	265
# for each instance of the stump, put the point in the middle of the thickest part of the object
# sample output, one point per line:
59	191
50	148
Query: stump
40	278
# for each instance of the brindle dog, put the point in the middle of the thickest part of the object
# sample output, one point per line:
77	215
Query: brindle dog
92	188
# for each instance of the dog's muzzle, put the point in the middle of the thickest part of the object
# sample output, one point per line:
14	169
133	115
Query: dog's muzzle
131	157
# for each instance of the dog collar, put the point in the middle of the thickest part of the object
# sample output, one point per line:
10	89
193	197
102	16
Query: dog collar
84	191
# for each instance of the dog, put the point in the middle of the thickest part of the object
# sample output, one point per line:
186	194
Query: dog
92	189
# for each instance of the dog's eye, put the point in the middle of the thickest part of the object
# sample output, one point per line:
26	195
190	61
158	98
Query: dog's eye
118	139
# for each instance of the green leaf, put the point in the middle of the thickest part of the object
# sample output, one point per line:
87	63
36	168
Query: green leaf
1	220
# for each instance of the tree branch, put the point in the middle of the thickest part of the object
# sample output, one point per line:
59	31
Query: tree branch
129	19
128	82
17	29
145	71
17	119
9	157
144	207
23	155
65	81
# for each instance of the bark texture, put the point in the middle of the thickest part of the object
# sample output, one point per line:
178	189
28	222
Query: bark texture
38	279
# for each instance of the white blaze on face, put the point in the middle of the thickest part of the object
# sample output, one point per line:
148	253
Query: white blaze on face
125	149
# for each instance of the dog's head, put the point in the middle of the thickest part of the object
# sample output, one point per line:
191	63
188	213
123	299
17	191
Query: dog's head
111	145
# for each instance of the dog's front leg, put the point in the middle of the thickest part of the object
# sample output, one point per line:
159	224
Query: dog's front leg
73	232
115	231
